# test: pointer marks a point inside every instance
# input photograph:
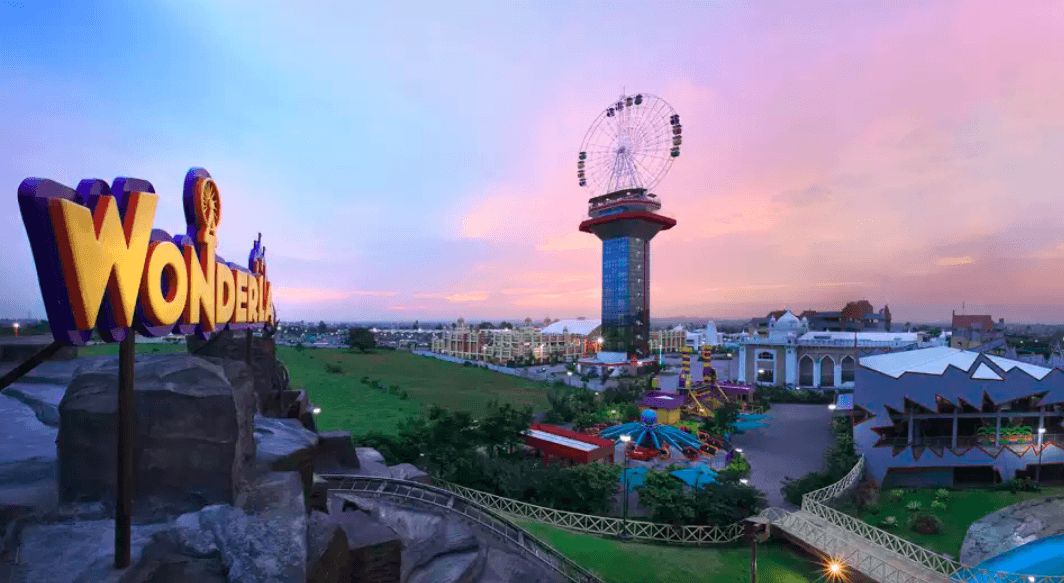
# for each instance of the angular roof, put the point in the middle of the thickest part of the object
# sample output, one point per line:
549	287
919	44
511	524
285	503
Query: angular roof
935	361
981	321
579	327
663	400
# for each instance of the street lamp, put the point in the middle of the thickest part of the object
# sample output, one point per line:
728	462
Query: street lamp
831	406
16	329
317	410
625	439
1038	469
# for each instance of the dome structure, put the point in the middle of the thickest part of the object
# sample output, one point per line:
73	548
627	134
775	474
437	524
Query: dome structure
787	321
648	433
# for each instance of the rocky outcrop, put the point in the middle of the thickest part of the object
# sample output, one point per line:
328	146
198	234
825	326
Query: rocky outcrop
28	465
328	554
75	552
439	547
269	379
283	444
1011	527
193	432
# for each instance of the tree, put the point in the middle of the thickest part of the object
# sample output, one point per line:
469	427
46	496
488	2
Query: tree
322	328
485	326
506	326
416	325
361	338
723	419
439	326
501	429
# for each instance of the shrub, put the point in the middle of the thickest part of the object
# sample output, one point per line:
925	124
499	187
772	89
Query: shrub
938	505
873	509
404	396
364	380
1018	485
914	506
925	523
393	390
942	493
889	522
333	368
467	363
896	494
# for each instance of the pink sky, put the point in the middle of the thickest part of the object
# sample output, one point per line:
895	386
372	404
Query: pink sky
908	153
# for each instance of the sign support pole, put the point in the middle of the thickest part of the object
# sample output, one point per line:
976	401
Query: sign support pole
124	489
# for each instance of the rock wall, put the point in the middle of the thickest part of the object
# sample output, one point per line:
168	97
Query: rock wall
193	432
1011	527
269	379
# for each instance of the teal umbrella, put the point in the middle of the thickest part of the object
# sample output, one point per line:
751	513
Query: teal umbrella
696	476
636	477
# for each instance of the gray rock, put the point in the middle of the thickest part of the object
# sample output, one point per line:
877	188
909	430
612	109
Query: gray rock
192	433
76	552
261	548
1011	527
283	444
368	454
28	464
328	556
455	568
409	472
42	398
267	372
336	452
504	567
274	492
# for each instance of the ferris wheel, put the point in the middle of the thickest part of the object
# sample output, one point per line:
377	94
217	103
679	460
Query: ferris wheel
631	144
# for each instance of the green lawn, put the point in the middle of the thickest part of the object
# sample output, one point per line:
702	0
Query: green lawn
963	508
348	404
142	348
618	562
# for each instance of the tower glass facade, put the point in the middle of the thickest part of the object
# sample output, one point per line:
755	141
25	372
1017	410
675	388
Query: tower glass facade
625	295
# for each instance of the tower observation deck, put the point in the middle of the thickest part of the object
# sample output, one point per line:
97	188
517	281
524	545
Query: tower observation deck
627	151
626	221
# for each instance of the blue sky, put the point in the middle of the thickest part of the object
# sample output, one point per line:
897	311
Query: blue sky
414	160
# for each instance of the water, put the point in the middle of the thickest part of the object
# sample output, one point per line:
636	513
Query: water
1044	556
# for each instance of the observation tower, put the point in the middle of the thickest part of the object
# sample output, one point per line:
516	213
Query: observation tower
626	152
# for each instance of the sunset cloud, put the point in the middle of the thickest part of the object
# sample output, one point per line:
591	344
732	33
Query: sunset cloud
467	297
949	261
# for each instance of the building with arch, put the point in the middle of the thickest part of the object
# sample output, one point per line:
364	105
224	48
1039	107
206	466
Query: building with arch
787	353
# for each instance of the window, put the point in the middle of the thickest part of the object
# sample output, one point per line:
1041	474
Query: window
847	369
805	371
827	372
765	367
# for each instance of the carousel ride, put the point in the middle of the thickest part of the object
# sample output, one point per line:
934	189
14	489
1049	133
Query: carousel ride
650	440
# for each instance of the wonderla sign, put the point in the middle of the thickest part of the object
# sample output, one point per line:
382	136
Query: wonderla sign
102	266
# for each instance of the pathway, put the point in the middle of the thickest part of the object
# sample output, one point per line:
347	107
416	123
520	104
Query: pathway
856	552
792	445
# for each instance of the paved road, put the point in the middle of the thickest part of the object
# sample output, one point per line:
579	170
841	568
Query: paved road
792	445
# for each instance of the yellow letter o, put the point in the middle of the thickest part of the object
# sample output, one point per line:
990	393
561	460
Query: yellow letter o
164	258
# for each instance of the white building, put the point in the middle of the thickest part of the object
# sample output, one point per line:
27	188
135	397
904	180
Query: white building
788	354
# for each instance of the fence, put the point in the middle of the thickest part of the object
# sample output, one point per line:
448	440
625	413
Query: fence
602	525
442	499
813	503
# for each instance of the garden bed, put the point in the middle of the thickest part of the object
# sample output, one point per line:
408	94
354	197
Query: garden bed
962	508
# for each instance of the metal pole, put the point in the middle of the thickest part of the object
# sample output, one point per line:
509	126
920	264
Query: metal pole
124	487
1038	468
24	368
753	559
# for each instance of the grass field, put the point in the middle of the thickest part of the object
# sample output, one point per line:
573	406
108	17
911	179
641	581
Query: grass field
963	507
619	562
347	404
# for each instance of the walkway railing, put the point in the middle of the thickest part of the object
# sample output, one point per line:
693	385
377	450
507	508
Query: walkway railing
813	503
443	499
602	525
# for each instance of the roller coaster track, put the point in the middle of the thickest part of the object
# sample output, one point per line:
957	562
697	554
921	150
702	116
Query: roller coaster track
415	493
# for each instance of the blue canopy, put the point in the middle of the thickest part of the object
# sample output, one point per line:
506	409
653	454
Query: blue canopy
753	416
652	435
696	476
747	425
637	477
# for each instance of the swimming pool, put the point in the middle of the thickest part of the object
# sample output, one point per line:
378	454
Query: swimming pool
1044	556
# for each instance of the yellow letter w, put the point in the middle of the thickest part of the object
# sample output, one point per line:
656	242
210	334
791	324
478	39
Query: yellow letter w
100	254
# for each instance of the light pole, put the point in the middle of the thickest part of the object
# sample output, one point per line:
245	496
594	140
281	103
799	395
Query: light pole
625	439
16	329
1038	469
